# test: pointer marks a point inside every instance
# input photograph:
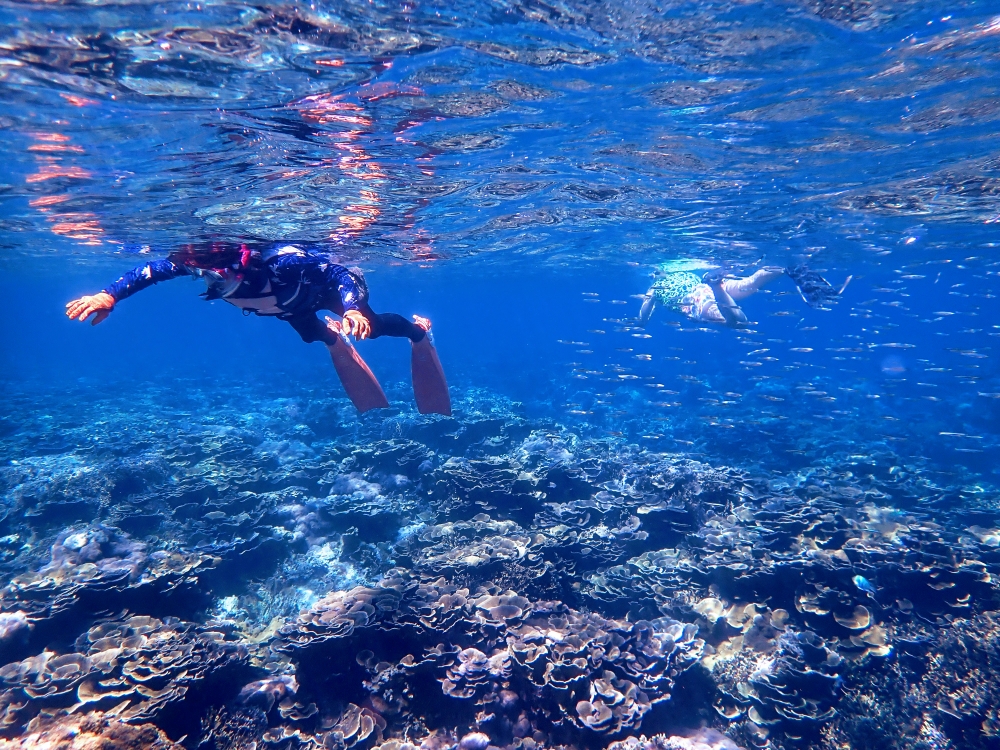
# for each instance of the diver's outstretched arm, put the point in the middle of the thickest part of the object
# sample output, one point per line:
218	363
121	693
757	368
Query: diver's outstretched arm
648	306
80	309
136	280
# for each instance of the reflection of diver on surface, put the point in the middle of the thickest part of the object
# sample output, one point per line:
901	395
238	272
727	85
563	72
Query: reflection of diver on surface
293	284
713	297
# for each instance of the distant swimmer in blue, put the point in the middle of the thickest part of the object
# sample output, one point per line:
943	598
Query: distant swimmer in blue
292	284
712	297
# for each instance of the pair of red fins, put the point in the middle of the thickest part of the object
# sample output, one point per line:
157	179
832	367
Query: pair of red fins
430	389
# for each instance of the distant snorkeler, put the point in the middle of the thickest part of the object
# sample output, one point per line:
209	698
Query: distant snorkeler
292	284
711	297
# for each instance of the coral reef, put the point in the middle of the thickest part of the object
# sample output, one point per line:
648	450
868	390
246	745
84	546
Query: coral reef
92	731
93	570
141	666
521	667
488	581
703	739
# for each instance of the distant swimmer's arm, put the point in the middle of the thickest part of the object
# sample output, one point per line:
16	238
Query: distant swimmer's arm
134	281
648	305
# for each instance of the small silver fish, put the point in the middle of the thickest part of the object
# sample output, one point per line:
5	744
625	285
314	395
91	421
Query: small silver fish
865	585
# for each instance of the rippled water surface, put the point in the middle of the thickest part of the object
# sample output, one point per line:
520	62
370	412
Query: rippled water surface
515	171
566	131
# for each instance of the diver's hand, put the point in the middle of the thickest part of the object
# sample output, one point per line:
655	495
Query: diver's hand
101	303
422	323
334	325
357	325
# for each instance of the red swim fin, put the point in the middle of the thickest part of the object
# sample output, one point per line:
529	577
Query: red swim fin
430	389
359	382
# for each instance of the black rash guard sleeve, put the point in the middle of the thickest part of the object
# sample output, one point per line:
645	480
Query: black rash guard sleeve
352	296
141	277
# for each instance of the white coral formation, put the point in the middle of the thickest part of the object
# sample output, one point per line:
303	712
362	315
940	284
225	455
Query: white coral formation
701	739
14	626
93	731
139	665
564	667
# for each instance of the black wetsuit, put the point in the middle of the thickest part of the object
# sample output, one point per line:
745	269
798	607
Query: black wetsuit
287	283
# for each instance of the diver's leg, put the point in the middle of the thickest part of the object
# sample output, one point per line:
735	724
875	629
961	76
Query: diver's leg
430	388
648	306
360	384
391	324
726	306
815	290
743	287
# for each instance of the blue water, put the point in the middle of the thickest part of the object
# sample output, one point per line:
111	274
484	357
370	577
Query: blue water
515	172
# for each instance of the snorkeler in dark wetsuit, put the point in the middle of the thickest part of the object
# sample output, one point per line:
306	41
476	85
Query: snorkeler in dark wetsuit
712	298
292	284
